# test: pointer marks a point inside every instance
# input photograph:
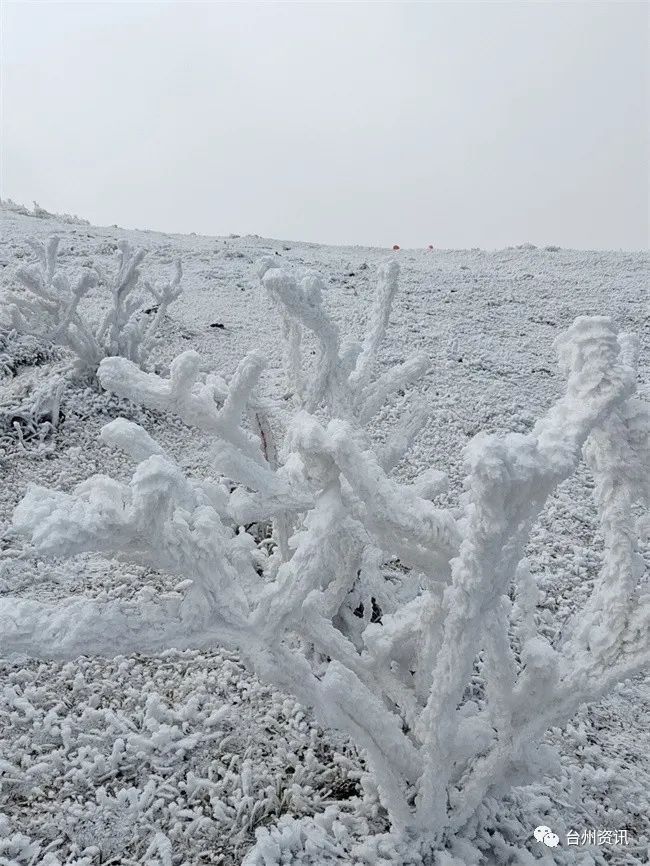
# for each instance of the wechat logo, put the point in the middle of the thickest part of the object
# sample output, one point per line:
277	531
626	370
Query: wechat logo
547	836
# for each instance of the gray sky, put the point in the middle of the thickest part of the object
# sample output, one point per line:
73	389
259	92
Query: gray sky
457	124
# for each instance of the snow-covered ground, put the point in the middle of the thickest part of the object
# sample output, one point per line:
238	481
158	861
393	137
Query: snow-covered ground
179	759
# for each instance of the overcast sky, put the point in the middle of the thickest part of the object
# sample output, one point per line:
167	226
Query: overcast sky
457	124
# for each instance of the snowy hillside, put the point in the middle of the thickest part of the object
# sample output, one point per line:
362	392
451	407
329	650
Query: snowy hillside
180	757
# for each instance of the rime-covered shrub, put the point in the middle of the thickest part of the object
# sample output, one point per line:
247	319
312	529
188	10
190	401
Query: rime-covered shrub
72	219
14	207
22	350
30	409
31	414
41	213
48	306
386	656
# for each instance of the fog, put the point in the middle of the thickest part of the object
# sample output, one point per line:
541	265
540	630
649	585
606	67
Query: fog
452	124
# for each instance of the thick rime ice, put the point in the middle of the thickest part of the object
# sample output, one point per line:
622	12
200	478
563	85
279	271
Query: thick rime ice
311	610
49	306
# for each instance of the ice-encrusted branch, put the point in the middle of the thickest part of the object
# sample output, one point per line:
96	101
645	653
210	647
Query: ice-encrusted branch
343	378
366	362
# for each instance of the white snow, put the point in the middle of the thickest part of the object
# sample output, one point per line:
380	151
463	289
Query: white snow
178	758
